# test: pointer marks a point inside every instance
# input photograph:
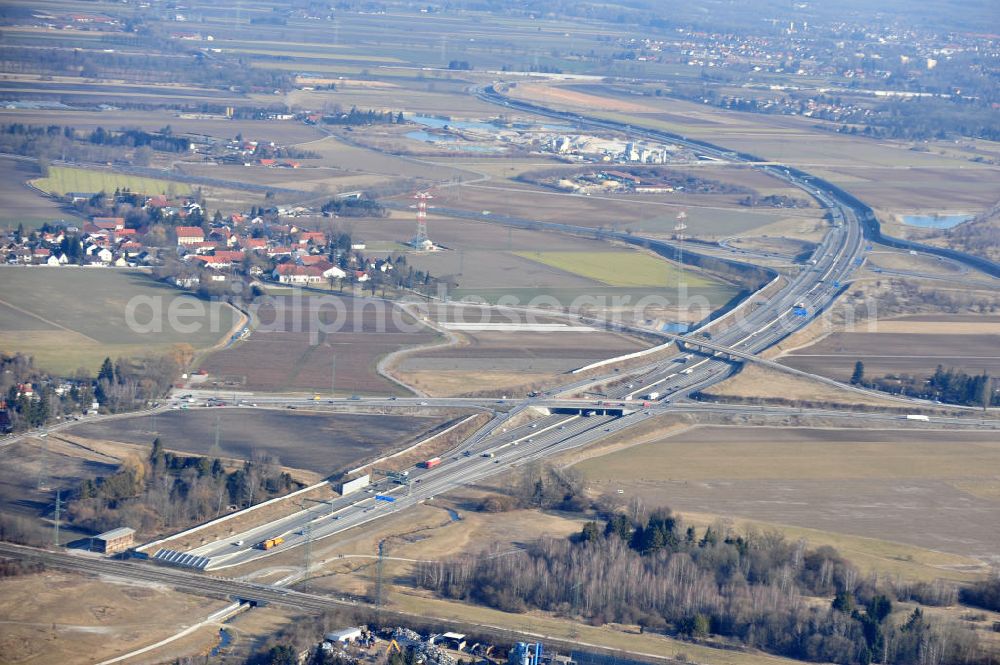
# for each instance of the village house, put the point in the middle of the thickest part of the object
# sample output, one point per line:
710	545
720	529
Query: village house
109	223
289	273
188	235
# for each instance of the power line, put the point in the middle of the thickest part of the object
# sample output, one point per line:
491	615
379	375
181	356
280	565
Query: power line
55	536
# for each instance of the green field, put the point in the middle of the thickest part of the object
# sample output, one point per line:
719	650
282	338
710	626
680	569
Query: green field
68	318
620	268
62	180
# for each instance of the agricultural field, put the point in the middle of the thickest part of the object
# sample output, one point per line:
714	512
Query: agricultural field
889	176
619	268
22	204
57	616
913	345
935	490
923	264
509	359
313	342
316	442
33	470
72	317
487	261
653	214
355	160
62	180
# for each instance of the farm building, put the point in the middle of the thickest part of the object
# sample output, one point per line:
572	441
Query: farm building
116	540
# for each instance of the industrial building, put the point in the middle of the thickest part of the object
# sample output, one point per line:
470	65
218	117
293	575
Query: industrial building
114	541
343	636
454	641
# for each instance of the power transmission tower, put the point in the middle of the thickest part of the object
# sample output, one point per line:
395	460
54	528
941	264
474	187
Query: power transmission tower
679	228
378	582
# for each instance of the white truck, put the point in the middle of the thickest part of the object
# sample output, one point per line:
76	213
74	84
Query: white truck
653	395
917	416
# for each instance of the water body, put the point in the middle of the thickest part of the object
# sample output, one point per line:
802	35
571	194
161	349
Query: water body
936	221
225	639
440	123
427	137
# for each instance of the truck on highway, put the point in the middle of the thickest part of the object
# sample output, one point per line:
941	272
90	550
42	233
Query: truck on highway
431	463
270	543
917	416
653	395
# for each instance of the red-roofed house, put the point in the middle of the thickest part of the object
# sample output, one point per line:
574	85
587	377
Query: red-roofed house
109	223
230	255
315	237
187	235
254	243
214	261
289	273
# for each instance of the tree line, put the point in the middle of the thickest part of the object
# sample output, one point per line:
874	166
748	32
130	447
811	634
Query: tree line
170	491
163	140
354	207
950	386
370	117
667	577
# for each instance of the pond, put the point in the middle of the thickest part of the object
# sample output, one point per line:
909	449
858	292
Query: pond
225	639
439	123
936	221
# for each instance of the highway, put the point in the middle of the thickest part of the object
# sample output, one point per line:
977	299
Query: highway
497	448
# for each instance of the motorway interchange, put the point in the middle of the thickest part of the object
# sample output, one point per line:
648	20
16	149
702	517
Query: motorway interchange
572	422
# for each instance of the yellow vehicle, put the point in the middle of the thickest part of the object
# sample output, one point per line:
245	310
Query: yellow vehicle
270	543
316	397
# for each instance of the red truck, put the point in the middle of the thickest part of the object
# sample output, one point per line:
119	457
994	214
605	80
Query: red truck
431	463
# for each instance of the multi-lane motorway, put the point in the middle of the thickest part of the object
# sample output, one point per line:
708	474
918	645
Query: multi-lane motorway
496	447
